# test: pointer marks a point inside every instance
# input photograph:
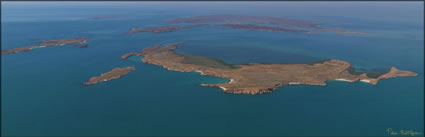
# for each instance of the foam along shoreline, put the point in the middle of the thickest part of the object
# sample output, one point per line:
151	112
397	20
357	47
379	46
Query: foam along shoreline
341	79
365	80
223	88
202	73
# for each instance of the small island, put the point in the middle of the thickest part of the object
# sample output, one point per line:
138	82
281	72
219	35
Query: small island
113	74
47	43
256	78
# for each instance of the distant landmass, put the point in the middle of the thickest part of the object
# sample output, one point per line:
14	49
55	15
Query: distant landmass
243	22
314	25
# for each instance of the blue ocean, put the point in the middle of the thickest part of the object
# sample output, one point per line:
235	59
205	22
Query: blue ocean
42	92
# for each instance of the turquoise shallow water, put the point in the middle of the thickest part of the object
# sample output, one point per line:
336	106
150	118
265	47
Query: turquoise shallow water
42	92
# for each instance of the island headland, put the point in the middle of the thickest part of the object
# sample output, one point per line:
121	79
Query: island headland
113	74
47	43
256	78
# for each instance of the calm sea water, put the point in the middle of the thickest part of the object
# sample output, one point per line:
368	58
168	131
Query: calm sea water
42	92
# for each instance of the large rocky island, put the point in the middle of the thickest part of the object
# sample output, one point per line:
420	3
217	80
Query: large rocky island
47	43
257	78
